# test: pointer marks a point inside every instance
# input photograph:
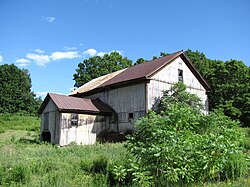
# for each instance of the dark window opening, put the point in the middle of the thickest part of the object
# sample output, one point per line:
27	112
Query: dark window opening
74	119
180	75
130	115
46	136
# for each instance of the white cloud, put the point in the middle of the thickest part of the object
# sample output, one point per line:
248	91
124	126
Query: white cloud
23	62
40	51
90	52
40	60
64	55
93	52
50	19
1	58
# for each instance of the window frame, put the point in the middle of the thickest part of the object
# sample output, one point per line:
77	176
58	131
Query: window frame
74	119
180	75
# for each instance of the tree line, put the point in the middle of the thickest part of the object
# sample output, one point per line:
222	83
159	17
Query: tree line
229	80
15	91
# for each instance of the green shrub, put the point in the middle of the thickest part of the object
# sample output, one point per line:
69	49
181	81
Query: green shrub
180	145
184	146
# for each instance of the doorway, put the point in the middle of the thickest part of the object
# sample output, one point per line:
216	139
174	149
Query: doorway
46	136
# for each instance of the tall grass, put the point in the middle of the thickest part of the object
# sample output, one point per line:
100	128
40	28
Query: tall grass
47	165
246	142
18	122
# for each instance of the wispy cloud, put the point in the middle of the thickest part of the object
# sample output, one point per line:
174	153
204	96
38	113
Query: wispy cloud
50	19
23	62
42	59
67	48
39	59
64	55
1	58
40	51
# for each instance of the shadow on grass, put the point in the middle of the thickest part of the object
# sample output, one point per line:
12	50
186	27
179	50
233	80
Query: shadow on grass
113	137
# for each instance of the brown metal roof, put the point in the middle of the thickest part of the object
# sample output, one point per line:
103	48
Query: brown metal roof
143	70
139	72
74	104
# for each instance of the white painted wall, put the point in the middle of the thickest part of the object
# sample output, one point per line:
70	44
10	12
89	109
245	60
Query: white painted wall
125	100
89	126
163	80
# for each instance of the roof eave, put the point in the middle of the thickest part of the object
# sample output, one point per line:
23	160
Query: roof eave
112	86
83	111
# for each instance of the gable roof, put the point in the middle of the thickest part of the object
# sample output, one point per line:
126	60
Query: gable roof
141	72
73	104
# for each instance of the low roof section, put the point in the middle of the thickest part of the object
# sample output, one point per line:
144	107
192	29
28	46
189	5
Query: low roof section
76	105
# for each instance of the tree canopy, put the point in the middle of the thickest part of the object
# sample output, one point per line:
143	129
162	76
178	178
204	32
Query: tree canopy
229	82
15	91
98	66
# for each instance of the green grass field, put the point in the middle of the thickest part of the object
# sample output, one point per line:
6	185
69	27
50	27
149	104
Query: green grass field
24	161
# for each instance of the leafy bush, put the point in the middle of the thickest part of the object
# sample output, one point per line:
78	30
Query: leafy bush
181	145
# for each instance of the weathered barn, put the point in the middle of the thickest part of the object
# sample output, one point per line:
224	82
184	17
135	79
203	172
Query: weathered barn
131	92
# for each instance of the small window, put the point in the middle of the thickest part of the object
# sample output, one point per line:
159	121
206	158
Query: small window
180	75
74	119
131	116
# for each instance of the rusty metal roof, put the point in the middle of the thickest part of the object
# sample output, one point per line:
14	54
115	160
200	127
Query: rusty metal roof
143	70
138	72
74	104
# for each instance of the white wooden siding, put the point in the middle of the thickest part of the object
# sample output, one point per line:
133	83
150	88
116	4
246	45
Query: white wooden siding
89	126
163	80
125	100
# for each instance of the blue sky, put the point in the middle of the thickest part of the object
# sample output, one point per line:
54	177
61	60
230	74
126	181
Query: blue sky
50	37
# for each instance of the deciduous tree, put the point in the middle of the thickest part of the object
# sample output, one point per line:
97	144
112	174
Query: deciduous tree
97	66
15	91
